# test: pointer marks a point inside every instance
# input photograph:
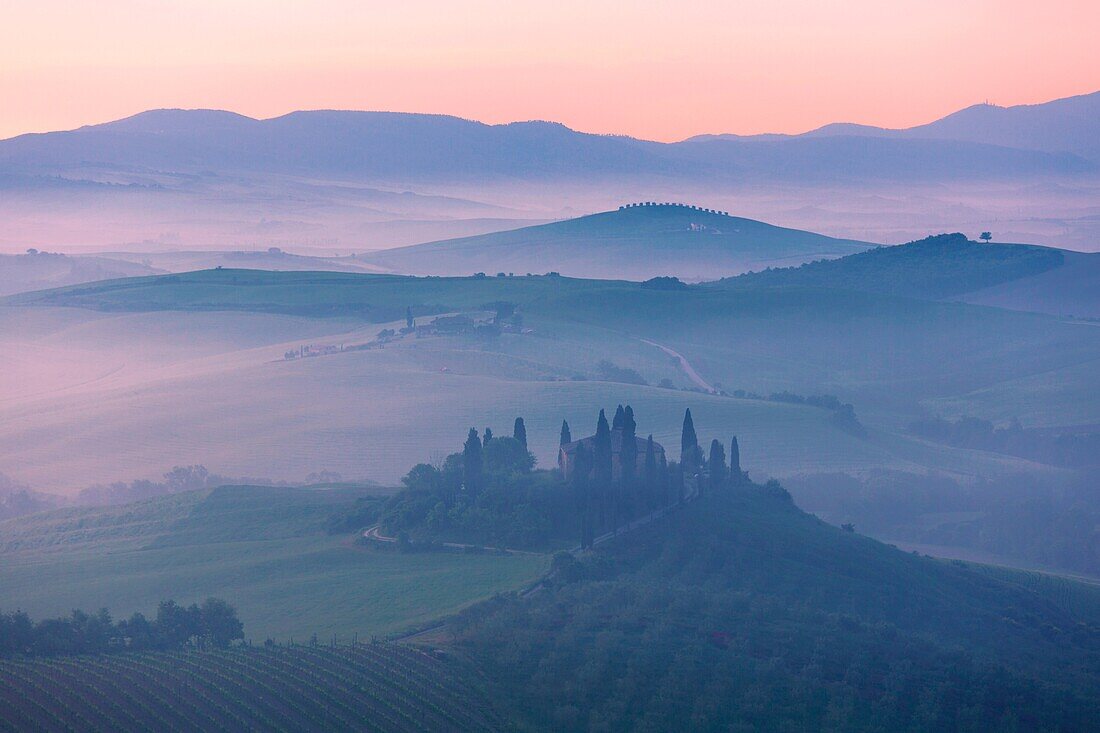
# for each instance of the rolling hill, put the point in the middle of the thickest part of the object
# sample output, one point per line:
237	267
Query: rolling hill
740	612
42	270
632	243
949	266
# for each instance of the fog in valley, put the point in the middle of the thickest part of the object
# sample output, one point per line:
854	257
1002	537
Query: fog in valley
381	421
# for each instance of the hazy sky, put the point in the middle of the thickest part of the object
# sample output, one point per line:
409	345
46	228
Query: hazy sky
656	69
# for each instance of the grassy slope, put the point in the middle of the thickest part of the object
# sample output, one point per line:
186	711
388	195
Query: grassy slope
742	610
262	549
635	243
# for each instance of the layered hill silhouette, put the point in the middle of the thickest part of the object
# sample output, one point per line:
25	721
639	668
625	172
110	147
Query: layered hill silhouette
950	266
1056	138
636	242
348	181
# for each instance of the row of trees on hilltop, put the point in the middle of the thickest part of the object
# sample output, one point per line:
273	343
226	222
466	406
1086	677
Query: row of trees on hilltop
213	624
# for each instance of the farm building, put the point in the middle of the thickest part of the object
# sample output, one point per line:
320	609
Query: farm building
568	452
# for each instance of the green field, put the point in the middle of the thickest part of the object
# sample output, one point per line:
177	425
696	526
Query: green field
366	687
262	549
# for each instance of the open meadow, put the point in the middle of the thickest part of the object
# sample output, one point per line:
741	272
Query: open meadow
264	549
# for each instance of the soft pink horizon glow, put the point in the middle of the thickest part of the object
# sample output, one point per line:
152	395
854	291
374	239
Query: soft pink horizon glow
654	69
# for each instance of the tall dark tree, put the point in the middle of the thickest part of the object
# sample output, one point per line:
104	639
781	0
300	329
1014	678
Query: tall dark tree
689	444
735	462
650	476
408	317
566	438
519	432
582	487
628	452
472	463
664	482
716	465
488	436
620	416
677	478
601	470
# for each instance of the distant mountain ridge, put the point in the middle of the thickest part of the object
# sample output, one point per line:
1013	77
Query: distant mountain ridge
1055	138
1069	125
337	182
635	242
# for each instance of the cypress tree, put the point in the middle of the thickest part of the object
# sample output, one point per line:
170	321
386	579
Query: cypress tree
408	316
582	486
650	473
472	463
620	417
565	436
735	462
519	432
717	465
602	472
677	471
628	451
488	436
664	482
689	443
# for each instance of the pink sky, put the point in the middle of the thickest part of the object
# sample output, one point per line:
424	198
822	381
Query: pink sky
656	69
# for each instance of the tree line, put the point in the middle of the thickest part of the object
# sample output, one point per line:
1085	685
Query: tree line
491	494
213	624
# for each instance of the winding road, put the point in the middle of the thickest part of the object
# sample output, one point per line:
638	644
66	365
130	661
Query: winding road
685	365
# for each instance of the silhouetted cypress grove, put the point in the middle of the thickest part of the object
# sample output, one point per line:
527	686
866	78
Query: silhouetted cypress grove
519	432
488	436
601	488
735	462
717	465
689	444
650	479
565	436
620	416
472	463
